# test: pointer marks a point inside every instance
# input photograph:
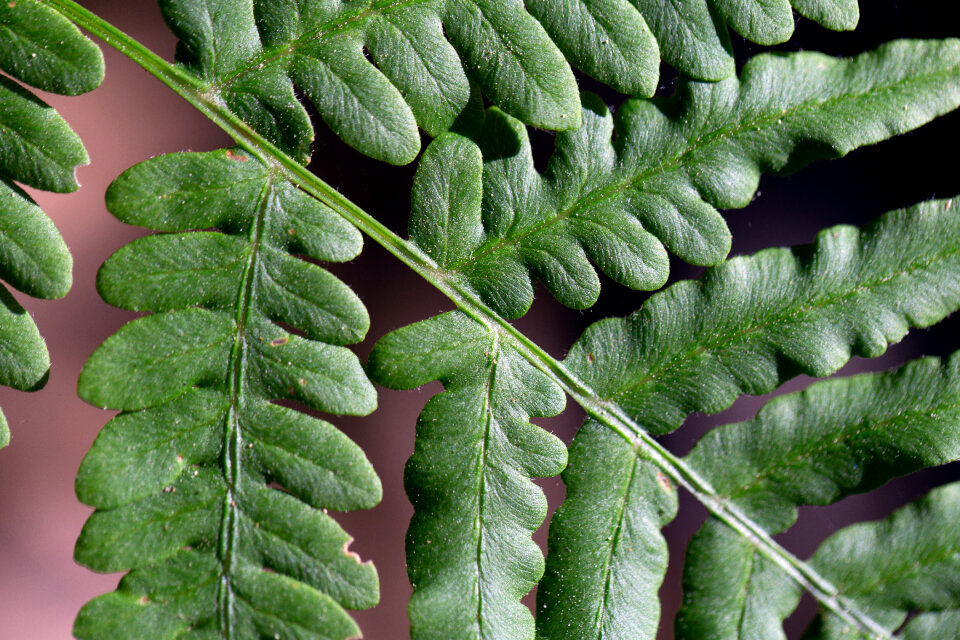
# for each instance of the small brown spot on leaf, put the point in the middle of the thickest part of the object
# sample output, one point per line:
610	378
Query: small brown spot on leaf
276	342
303	382
292	231
291	391
179	458
590	358
169	489
664	481
143	599
236	156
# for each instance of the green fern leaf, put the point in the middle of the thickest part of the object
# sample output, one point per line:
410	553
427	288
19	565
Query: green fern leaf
744	327
811	448
250	54
475	506
37	148
619	42
752	322
608	39
181	479
672	164
693	37
905	564
607	556
41	48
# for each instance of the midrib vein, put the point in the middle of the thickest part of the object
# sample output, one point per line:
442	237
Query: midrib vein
232	436
482	472
615	540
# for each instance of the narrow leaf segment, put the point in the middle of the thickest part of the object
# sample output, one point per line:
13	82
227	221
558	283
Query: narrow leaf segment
812	448
248	55
182	478
607	556
475	506
616	201
39	47
744	327
751	323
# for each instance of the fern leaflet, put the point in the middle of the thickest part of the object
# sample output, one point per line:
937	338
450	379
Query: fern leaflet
249	54
181	479
469	477
39	47
813	448
672	164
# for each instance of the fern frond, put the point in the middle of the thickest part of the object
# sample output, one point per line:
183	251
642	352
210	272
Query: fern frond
810	448
672	164
249	55
469	553
181	479
743	328
39	47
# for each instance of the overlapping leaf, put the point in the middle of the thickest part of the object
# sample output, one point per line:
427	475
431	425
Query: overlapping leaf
469	553
673	163
182	478
619	42
250	54
37	148
694	39
743	328
811	448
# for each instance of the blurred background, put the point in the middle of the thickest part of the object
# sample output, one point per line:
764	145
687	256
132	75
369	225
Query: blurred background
132	117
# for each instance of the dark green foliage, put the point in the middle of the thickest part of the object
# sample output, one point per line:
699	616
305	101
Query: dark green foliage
181	479
250	54
812	448
700	344
37	148
212	492
469	553
662	179
752	322
905	564
607	557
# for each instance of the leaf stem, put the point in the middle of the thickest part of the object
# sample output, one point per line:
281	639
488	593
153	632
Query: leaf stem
451	284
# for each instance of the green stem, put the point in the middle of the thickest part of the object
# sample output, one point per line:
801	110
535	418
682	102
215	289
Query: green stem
609	414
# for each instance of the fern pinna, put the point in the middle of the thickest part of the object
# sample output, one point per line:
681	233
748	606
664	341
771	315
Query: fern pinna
212	492
181	478
37	149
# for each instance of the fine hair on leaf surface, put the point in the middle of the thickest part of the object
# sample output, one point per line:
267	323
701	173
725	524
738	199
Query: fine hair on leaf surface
549	151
